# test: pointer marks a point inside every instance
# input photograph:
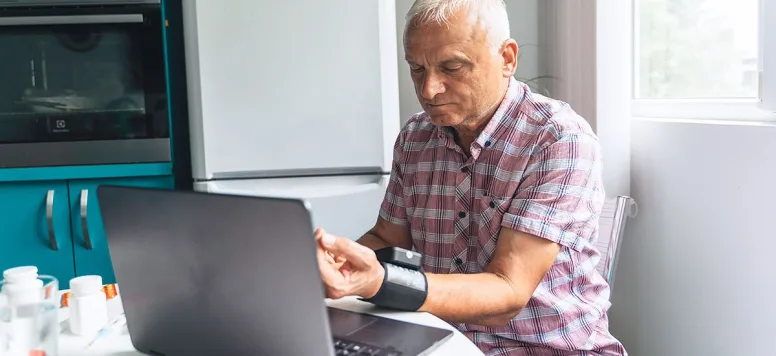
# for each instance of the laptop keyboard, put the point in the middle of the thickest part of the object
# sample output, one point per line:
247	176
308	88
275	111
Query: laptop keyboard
345	347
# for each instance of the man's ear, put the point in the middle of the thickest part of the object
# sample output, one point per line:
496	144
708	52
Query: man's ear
509	53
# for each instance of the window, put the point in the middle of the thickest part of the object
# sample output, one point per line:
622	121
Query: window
701	59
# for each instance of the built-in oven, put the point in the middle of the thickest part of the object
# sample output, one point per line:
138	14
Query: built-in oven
82	82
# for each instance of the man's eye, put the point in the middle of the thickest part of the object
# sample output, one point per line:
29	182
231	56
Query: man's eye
416	69
453	69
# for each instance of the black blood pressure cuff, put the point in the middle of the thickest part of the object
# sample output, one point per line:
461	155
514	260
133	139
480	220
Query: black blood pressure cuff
402	289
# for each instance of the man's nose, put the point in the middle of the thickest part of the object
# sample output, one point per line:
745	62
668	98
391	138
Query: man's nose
432	85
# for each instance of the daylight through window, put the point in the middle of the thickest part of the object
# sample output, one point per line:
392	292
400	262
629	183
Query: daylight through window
696	49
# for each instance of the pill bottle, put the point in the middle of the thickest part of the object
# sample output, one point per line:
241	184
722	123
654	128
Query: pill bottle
21	285
88	307
20	302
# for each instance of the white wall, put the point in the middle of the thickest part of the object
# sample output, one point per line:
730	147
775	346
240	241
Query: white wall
523	16
695	276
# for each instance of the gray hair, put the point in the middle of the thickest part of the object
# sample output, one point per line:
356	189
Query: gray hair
491	15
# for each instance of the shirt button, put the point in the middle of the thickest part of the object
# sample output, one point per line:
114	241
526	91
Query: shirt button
492	205
458	261
462	215
465	169
487	143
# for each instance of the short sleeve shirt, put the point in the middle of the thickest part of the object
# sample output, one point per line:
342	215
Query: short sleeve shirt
535	168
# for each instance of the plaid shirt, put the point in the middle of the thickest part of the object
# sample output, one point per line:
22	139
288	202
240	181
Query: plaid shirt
535	168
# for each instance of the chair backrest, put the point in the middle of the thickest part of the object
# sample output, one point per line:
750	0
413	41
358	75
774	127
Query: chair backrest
612	221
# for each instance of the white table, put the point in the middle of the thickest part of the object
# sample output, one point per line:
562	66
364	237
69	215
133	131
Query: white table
119	343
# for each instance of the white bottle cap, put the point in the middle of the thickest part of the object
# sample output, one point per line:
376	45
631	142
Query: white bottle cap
85	285
20	274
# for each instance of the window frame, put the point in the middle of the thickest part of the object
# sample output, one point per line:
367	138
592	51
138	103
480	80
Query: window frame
767	59
762	109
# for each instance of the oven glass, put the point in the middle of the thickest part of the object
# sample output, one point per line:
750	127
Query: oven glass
83	78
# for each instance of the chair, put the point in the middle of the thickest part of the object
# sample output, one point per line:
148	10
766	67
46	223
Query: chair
612	221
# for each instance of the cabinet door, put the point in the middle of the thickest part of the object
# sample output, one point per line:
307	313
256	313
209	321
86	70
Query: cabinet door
35	228
92	256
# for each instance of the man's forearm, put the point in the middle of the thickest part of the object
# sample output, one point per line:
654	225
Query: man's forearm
481	299
372	241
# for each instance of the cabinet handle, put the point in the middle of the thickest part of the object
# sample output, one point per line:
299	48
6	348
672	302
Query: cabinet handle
50	219
84	221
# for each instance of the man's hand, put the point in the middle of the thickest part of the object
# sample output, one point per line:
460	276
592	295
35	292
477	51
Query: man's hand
347	267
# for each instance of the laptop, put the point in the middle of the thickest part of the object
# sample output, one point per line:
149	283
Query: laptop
215	274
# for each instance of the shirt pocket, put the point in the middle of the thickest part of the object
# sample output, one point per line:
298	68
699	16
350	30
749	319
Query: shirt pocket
491	210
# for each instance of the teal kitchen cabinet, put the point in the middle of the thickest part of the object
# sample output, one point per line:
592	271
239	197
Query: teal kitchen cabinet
56	225
37	228
89	243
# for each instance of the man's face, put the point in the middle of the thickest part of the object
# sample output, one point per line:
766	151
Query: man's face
458	77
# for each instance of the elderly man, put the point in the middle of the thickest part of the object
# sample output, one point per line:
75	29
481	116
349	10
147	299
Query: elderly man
499	188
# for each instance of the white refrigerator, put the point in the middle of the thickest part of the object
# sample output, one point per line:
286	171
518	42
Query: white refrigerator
295	99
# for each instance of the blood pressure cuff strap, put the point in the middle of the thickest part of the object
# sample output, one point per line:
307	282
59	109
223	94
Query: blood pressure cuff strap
402	289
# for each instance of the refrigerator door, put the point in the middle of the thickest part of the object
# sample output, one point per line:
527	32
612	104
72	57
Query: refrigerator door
289	88
345	206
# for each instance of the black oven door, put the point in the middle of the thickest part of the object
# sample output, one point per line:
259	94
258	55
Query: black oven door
82	83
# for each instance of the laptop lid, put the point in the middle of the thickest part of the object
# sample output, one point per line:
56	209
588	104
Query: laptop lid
207	274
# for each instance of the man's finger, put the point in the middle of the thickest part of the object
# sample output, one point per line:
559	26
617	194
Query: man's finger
319	234
336	258
328	272
358	255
